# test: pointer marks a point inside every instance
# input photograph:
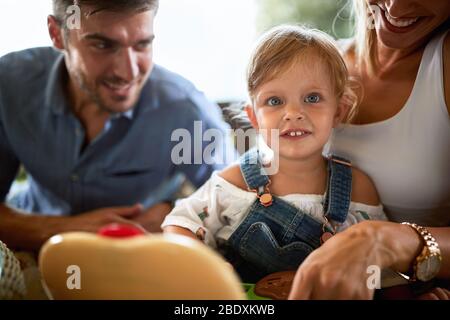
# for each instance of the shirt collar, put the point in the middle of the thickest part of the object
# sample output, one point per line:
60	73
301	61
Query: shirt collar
54	92
127	114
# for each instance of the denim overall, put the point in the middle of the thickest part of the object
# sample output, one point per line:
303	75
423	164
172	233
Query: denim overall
280	236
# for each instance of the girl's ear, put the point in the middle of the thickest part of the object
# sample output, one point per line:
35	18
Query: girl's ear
251	115
343	108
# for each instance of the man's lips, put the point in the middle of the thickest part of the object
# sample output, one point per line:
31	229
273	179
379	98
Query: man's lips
119	89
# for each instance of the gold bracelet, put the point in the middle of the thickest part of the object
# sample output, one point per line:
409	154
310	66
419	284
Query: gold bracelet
428	263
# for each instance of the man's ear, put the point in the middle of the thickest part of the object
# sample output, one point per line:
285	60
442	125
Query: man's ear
55	32
251	115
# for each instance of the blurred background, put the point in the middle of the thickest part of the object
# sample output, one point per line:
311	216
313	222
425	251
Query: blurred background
206	41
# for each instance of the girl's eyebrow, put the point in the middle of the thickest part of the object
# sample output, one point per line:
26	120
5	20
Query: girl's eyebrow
265	94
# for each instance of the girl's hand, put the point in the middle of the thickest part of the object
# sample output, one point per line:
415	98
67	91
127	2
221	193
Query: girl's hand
339	268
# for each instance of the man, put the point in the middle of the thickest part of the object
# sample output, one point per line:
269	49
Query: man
91	122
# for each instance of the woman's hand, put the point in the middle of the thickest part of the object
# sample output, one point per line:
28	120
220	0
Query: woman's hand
436	294
339	268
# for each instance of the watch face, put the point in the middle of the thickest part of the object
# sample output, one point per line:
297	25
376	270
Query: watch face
428	268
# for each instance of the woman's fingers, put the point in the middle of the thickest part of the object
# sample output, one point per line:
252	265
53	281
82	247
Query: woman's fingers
301	287
436	294
313	282
441	294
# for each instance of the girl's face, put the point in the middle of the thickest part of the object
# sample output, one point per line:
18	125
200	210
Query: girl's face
403	24
302	104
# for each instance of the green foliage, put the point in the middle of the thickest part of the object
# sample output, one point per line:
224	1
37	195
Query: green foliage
331	16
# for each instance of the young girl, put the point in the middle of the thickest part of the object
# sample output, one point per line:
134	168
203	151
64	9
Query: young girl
298	85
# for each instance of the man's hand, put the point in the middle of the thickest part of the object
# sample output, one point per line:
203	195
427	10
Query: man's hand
152	218
92	221
29	231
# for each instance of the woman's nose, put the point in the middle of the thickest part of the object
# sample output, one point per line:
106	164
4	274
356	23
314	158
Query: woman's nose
399	8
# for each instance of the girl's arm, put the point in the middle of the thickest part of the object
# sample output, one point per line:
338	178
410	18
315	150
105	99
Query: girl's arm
181	231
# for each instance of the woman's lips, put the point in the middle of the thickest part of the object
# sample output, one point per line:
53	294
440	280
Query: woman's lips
400	23
397	25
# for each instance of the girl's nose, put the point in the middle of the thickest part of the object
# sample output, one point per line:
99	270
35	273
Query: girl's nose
294	113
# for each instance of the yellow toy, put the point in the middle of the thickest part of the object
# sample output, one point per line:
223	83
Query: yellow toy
123	263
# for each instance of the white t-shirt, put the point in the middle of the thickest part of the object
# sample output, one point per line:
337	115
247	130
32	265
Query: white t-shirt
408	155
218	208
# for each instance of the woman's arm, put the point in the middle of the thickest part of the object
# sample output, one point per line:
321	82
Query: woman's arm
446	57
339	269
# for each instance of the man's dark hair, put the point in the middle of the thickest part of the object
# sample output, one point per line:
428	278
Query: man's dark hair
60	6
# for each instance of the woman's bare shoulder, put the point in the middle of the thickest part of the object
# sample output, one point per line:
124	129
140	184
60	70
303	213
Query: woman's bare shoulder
446	52
363	188
233	175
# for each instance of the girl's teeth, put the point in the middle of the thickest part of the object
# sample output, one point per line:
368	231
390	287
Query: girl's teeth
400	23
295	133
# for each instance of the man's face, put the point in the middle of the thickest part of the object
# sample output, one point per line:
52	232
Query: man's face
110	57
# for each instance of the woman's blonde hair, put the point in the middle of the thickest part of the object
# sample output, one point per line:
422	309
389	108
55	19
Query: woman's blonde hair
281	46
364	35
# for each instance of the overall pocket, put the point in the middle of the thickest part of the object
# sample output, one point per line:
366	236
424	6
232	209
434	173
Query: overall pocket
260	247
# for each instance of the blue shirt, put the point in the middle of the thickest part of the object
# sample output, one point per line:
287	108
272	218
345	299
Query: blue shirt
129	162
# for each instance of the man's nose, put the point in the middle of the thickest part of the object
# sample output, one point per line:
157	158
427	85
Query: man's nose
126	64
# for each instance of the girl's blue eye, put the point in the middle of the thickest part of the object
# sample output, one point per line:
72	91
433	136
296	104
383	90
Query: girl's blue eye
312	98
274	101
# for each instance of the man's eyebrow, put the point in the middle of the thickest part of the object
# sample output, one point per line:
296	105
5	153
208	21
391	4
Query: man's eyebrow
98	36
148	39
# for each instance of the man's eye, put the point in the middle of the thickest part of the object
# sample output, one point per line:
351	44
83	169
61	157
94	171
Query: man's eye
274	101
143	45
101	46
312	98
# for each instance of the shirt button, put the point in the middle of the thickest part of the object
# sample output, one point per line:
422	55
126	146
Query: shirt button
75	178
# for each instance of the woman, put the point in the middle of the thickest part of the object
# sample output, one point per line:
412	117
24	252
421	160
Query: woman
401	138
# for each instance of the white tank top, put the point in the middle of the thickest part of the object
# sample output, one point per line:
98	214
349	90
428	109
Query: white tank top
408	156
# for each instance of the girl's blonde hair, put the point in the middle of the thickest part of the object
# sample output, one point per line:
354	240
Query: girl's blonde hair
281	46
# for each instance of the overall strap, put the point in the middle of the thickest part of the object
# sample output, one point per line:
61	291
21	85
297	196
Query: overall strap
253	172
339	189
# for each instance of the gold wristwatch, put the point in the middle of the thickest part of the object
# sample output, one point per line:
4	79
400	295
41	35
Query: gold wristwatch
428	263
